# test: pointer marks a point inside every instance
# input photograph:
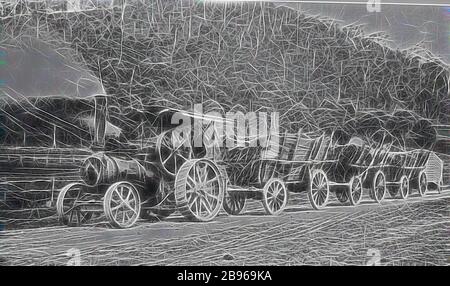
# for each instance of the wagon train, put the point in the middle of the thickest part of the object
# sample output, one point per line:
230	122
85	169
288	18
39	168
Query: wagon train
319	167
164	173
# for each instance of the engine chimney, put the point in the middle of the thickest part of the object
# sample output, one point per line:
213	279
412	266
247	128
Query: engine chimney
101	113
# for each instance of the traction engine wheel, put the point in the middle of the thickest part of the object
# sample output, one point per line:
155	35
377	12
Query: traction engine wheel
199	190
355	191
275	196
67	208
379	187
122	204
423	183
234	203
173	151
404	187
319	189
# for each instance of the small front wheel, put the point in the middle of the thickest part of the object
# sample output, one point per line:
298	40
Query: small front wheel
319	189
275	196
379	187
122	204
423	183
355	191
404	187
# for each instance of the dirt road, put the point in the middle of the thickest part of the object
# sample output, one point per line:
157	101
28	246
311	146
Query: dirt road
415	232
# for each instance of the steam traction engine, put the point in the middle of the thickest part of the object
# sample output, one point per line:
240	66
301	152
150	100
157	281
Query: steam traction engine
143	180
166	173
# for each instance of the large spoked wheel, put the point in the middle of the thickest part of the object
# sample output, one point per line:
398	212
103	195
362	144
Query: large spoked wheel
173	151
379	187
122	204
199	190
319	189
355	191
234	203
423	183
68	207
275	196
404	187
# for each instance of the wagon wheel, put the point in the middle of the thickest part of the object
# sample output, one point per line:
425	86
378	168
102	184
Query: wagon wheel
69	213
404	187
342	196
319	190
199	190
379	187
173	151
275	196
166	208
423	183
122	204
234	203
355	191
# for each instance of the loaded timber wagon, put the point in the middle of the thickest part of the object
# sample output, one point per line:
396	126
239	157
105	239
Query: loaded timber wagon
297	163
319	167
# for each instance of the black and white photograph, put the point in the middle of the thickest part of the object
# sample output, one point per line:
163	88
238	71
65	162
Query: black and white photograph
224	133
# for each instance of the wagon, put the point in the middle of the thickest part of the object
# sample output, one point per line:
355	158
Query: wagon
381	170
298	163
413	170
